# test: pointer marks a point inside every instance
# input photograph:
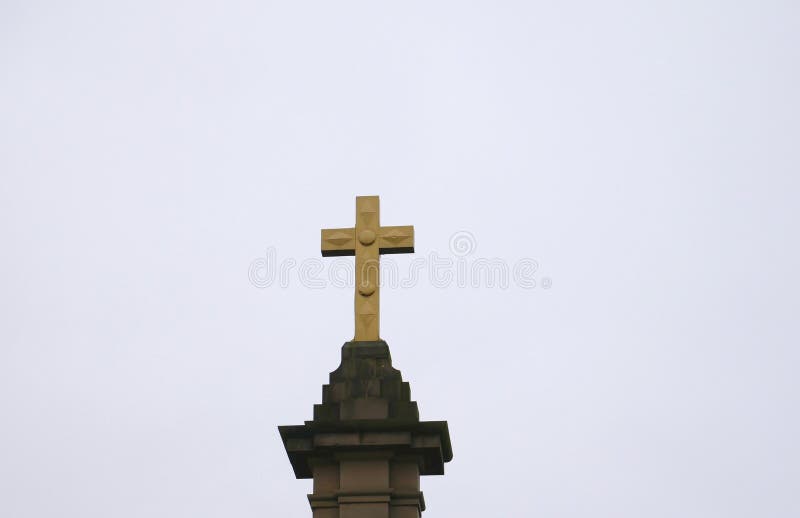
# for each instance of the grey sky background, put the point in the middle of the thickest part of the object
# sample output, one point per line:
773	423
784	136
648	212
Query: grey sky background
645	154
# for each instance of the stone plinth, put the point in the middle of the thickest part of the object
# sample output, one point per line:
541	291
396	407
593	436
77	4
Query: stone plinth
366	447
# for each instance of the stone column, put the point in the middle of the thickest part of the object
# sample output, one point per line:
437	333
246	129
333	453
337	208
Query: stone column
366	447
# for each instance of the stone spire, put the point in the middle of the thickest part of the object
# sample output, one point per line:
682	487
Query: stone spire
366	447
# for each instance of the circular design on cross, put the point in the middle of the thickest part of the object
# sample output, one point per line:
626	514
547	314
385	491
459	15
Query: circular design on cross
366	237
367	290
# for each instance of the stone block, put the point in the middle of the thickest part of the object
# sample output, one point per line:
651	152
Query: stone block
403	511
326	478
325	512
364	408
404	475
364	510
364	475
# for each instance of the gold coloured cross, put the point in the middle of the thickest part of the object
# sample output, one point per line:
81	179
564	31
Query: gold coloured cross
367	241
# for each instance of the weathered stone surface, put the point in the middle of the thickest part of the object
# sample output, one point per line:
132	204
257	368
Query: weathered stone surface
366	386
366	447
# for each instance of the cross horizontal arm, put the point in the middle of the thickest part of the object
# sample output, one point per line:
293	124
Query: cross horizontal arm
396	240
338	242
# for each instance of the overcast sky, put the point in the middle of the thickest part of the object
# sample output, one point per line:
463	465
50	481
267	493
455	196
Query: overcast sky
640	158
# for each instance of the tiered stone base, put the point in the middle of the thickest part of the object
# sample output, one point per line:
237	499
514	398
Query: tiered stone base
366	448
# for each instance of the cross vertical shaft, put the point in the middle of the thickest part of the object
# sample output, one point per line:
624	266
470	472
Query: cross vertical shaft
367	296
367	241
